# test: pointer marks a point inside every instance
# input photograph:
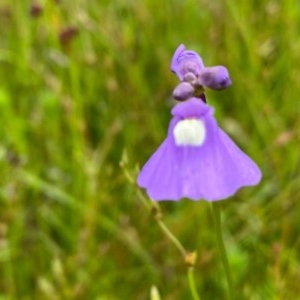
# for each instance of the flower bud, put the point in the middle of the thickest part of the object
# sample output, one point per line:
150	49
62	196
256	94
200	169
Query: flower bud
216	78
183	91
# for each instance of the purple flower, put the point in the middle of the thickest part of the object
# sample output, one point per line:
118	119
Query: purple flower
197	160
194	76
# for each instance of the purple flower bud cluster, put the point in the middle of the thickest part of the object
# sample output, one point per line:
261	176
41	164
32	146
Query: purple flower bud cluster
194	76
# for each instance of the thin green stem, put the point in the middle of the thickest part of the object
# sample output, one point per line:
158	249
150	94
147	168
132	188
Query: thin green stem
153	206
192	283
172	237
216	212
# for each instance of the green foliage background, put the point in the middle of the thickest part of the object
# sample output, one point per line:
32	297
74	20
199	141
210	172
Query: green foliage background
83	81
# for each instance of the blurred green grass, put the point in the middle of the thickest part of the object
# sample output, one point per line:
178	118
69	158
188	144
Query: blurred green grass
84	80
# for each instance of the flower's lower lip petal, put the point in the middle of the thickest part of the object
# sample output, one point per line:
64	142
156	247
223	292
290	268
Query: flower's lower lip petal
247	172
159	175
214	171
218	169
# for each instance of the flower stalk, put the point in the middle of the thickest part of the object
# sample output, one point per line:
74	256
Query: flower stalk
189	257
192	283
216	213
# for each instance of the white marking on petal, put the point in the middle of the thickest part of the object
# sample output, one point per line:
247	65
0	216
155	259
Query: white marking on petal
189	132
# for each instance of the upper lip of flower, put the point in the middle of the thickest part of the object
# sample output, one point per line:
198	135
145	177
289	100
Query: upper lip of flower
192	108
